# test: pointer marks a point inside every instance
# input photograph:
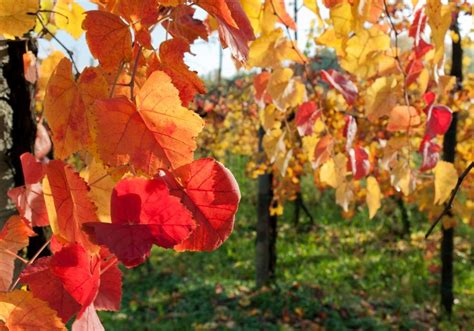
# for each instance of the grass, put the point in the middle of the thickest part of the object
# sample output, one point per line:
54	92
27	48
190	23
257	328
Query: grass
335	274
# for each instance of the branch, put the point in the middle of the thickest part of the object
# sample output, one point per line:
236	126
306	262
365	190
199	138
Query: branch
134	72
68	51
449	205
30	262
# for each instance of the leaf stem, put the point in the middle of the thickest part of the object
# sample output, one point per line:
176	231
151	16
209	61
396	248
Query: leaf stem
448	206
134	72
68	51
30	262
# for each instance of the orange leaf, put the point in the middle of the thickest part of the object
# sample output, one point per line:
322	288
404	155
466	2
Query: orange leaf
279	9
141	14
183	25
159	134
323	150
66	104
21	311
13	237
402	118
219	9
68	204
108	37
186	81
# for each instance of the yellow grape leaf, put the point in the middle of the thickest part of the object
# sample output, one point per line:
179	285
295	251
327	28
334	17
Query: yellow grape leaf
344	195
269	50
17	17
374	196
401	177
253	10
270	118
101	185
274	144
342	19
364	52
282	161
446	178
19	310
333	172
46	68
69	17
313	6
285	91
328	38
327	174
439	20
381	97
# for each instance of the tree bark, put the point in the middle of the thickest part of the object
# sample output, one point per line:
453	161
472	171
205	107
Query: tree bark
6	124
449	153
19	99
265	261
404	217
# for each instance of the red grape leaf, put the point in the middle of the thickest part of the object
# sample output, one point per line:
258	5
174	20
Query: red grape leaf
29	202
79	273
159	134
29	199
307	115
438	120
211	194
47	287
143	213
350	130
110	290
343	85
33	171
430	153
358	163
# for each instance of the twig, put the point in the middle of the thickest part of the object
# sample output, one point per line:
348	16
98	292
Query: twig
306	211
449	205
30	262
9	252
108	266
134	72
112	90
68	51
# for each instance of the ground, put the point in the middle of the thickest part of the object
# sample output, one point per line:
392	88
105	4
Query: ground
335	274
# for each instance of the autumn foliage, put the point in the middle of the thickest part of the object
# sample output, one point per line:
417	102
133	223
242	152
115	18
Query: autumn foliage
124	176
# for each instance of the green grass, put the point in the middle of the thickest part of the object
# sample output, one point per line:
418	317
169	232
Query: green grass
335	274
